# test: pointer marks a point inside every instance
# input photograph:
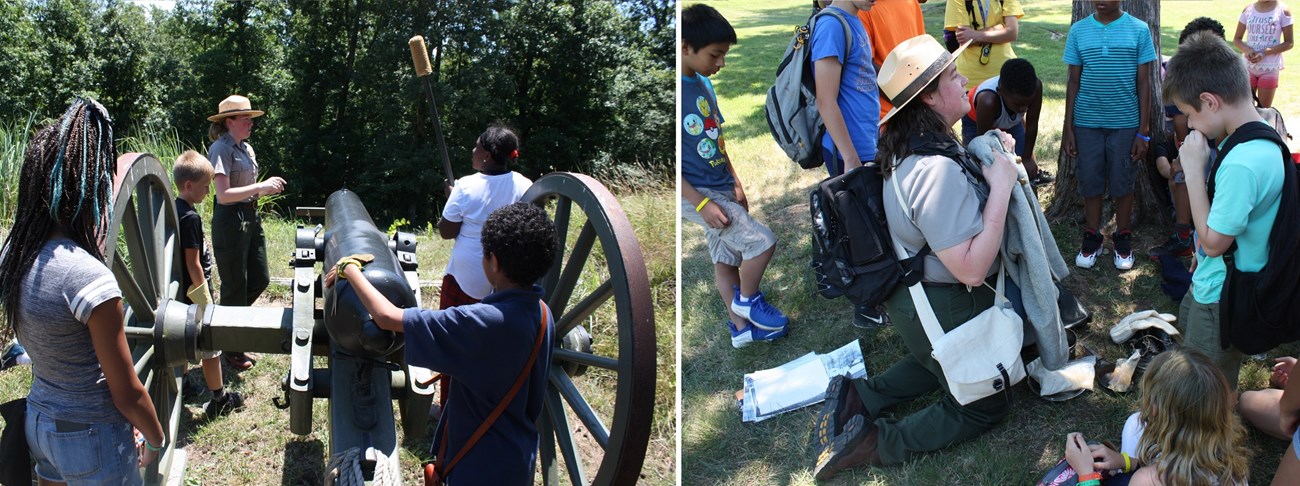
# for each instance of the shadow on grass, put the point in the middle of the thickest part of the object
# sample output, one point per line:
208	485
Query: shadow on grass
303	463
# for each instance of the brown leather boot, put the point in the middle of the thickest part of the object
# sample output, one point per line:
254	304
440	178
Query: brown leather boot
855	447
842	403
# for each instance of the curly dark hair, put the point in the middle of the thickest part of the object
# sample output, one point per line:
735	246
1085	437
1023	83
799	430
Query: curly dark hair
66	183
1018	76
1202	23
523	239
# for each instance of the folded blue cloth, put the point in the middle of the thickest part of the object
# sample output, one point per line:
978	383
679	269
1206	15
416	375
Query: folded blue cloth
1176	277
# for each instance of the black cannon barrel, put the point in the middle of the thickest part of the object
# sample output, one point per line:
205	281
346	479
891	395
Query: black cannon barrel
349	230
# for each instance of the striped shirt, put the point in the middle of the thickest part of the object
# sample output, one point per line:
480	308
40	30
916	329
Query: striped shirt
1110	55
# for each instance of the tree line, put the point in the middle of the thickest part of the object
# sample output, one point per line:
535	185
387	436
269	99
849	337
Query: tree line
588	84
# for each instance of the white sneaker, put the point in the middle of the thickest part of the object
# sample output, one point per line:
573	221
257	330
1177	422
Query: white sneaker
1121	262
1087	261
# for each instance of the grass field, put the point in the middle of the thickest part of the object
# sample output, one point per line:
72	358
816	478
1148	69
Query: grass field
718	448
255	446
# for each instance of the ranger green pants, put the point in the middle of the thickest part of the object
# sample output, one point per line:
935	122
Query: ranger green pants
945	422
239	246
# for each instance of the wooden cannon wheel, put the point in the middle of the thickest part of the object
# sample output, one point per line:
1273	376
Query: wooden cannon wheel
603	367
142	249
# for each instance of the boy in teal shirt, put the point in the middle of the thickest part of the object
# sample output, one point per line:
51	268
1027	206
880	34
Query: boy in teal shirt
1207	81
1106	119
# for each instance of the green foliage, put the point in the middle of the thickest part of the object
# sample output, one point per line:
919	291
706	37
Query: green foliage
397	225
588	84
13	142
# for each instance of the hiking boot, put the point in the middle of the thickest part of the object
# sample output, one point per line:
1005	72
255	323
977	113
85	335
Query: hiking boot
1123	249
842	404
752	333
1174	246
870	317
855	447
1089	249
13	351
230	402
758	312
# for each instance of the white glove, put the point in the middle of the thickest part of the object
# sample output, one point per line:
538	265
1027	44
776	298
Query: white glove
1123	331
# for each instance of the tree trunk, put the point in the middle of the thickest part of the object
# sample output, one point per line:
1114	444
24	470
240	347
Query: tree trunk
1149	204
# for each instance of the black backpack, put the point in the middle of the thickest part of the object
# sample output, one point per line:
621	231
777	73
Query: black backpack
853	255
1260	310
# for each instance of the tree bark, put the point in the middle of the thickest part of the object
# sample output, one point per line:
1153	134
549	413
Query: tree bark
1149	204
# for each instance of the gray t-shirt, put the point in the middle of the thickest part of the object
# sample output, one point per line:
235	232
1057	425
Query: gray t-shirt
236	160
58	294
945	208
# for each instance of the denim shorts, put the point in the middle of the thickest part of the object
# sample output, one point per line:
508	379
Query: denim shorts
82	454
1104	164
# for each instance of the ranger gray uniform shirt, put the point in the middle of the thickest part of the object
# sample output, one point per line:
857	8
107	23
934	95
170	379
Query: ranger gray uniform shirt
945	211
236	160
59	292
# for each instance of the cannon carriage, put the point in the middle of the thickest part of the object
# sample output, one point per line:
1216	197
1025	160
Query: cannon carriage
600	267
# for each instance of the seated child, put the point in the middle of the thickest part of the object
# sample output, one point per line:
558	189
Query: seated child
484	347
192	175
1184	431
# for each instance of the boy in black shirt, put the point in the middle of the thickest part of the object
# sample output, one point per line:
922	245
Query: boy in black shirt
192	175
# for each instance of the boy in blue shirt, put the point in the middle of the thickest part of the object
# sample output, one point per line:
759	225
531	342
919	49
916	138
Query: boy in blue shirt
1208	82
848	97
1107	103
712	195
484	347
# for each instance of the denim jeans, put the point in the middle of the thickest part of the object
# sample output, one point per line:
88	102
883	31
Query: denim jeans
82	454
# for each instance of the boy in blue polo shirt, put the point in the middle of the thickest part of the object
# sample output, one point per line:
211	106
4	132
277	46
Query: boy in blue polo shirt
712	195
1107	103
1208	82
848	98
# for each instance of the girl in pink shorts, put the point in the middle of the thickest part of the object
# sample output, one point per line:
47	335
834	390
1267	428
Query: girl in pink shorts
1263	34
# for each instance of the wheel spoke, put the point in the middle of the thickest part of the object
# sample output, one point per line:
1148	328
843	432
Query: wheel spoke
561	383
593	360
134	235
158	248
573	268
148	213
585	308
564	434
131	291
563	211
143	360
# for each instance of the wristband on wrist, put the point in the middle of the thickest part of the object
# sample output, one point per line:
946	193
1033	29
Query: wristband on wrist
343	265
154	448
1092	476
1143	137
1090	482
1128	462
700	206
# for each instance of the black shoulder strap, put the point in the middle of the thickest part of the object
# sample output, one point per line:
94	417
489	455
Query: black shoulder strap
970	10
1245	133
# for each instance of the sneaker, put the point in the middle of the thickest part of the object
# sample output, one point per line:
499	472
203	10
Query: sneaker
12	352
229	403
868	317
759	313
1123	249
1174	246
740	339
1043	177
1088	251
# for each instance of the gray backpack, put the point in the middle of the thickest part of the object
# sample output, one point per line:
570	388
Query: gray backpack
792	102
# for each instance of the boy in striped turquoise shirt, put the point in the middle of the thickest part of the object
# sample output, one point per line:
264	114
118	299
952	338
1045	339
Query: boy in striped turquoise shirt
1107	101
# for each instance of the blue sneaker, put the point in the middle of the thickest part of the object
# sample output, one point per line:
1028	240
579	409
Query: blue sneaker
740	339
759	313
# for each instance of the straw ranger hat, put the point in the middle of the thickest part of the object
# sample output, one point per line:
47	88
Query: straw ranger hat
235	105
910	67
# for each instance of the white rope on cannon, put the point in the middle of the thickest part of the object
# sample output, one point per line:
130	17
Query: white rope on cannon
344	469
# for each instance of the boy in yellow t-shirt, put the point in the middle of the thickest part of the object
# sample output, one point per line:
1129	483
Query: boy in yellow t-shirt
993	25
